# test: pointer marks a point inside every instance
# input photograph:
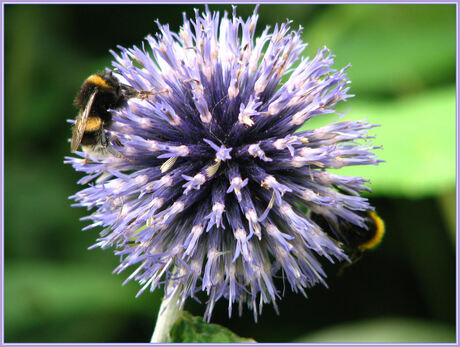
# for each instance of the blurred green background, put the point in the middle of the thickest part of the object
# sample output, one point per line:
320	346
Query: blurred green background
403	75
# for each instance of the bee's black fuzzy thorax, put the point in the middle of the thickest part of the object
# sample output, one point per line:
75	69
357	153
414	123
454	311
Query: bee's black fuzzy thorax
109	95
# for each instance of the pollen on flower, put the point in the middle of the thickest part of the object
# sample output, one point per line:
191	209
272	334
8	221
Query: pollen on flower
309	195
254	227
245	118
233	90
236	184
194	182
209	200
257	152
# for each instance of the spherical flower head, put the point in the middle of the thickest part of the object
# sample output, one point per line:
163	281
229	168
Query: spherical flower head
208	193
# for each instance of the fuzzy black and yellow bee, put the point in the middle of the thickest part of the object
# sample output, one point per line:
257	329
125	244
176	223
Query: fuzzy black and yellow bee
355	240
98	94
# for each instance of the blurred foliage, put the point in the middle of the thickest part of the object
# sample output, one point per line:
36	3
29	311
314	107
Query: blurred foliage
71	302
384	330
403	74
394	50
189	329
417	135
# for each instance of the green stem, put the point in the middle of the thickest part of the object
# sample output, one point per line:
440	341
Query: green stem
167	316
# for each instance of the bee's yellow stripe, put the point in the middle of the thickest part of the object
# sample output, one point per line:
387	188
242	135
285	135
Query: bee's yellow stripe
97	80
379	232
94	123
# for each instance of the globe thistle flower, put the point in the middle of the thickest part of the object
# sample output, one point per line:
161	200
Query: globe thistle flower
208	194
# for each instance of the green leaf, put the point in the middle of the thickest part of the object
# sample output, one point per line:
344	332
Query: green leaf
418	138
384	330
192	329
393	48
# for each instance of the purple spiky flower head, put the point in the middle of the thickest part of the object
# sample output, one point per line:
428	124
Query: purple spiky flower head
208	195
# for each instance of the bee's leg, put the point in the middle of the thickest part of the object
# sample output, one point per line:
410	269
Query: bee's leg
144	94
107	146
114	152
117	141
87	159
141	94
110	149
117	154
104	138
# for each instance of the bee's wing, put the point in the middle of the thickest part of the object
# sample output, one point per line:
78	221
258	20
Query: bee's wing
81	122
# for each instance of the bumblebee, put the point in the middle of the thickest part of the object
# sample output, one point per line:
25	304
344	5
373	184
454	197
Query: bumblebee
355	240
98	94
